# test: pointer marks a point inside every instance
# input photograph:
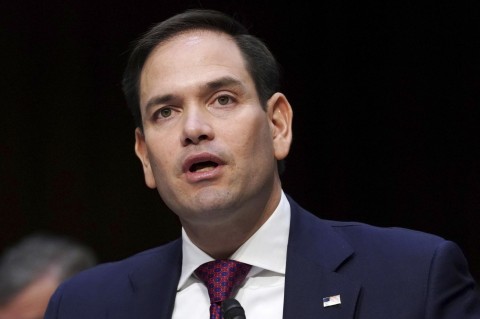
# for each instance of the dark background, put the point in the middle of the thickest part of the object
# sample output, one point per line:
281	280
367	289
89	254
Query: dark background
386	116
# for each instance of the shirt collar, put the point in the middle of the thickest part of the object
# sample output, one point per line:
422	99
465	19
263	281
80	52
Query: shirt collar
266	249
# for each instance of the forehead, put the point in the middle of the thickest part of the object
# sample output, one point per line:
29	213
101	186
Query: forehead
194	55
196	40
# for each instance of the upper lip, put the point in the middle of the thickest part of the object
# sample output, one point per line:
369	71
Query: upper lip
200	159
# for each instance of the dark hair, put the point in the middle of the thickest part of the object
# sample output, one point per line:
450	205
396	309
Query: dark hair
260	62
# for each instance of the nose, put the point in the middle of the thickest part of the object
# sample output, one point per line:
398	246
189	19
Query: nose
196	127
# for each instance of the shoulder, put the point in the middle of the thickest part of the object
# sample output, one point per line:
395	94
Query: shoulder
116	275
366	237
376	248
427	271
111	286
361	233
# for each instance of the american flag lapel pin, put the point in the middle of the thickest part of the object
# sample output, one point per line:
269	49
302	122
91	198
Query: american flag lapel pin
331	301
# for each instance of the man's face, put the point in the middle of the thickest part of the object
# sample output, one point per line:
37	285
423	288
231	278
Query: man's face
31	302
207	144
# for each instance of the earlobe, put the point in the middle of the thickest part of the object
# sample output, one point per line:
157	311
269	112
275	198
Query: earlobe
281	115
142	154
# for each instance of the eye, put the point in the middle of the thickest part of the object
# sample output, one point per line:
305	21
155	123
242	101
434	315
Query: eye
163	113
223	103
224	99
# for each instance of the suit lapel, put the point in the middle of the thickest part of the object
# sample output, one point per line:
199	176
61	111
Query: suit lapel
315	254
155	283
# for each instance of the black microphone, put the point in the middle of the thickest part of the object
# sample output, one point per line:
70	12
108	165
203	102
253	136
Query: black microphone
232	309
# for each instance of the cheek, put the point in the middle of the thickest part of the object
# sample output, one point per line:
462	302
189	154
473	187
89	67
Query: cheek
255	142
161	161
161	155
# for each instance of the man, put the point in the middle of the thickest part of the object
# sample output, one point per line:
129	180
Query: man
32	269
212	132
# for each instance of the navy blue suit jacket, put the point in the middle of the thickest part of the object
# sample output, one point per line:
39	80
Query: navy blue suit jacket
379	273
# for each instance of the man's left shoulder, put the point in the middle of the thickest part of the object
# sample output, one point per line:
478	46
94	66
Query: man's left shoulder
388	237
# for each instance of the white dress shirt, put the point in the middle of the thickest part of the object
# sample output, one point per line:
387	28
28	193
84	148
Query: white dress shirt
262	293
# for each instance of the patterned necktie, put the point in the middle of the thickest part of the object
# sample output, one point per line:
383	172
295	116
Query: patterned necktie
221	277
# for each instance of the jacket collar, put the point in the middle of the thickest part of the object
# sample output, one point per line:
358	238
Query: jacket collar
315	255
154	284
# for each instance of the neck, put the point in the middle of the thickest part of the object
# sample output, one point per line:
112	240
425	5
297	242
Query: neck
221	239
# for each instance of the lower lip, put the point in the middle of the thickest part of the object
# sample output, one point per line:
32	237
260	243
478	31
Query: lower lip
200	176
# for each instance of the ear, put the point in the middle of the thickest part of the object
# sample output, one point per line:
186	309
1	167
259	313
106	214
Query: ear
142	153
280	114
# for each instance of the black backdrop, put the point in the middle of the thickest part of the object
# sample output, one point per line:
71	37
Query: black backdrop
386	114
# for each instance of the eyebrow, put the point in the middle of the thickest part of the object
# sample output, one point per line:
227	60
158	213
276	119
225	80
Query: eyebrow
158	100
226	81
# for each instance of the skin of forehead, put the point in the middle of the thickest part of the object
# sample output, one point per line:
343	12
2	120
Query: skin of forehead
175	49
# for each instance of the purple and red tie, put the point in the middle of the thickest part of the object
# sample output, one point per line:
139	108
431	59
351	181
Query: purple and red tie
221	277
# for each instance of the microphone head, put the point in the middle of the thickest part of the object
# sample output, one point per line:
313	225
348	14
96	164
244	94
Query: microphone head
232	309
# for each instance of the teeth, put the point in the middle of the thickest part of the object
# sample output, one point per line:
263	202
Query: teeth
202	167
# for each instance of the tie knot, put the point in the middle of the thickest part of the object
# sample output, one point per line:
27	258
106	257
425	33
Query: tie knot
221	277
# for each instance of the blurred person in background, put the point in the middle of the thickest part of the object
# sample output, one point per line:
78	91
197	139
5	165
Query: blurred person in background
33	268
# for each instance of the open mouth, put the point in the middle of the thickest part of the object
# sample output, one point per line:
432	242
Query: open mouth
203	166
